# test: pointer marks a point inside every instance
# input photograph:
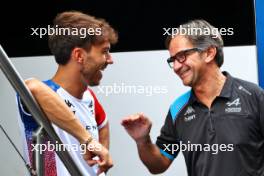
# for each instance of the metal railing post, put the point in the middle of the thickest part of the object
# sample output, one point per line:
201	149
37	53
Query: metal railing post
18	84
38	156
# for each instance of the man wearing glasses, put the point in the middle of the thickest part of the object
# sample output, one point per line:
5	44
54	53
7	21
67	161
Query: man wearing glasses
218	124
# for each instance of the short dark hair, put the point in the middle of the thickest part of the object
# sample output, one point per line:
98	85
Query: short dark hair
203	39
61	45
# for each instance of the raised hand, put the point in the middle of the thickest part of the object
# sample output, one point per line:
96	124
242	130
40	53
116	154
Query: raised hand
137	126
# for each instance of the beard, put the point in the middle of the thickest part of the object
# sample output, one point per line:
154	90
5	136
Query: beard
92	72
96	78
92	78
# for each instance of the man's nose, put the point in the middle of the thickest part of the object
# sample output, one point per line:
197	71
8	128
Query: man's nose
176	66
109	59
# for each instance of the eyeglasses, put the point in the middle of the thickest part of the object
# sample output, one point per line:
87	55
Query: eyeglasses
181	56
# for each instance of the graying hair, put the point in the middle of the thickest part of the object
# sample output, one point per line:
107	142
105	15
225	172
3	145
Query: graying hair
202	35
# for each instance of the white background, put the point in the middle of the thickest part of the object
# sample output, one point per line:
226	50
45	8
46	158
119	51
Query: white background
148	68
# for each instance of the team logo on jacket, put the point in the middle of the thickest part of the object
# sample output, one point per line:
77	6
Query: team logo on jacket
233	106
189	114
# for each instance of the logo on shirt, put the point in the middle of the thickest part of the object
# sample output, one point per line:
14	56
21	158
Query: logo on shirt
91	107
189	114
91	104
244	90
233	106
70	105
91	127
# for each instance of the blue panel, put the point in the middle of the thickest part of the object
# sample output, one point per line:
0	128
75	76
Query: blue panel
52	85
178	104
259	5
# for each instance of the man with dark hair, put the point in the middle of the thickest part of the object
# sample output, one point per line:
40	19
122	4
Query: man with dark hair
218	124
80	44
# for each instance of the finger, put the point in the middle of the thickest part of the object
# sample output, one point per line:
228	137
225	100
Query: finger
92	162
87	156
104	169
143	118
141	114
135	117
101	163
125	121
100	171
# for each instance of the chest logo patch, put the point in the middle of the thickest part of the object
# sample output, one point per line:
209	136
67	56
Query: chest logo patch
189	114
234	106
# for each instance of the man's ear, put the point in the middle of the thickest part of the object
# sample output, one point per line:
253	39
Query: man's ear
78	54
211	53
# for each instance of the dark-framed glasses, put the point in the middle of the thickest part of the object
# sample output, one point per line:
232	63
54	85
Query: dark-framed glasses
181	56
